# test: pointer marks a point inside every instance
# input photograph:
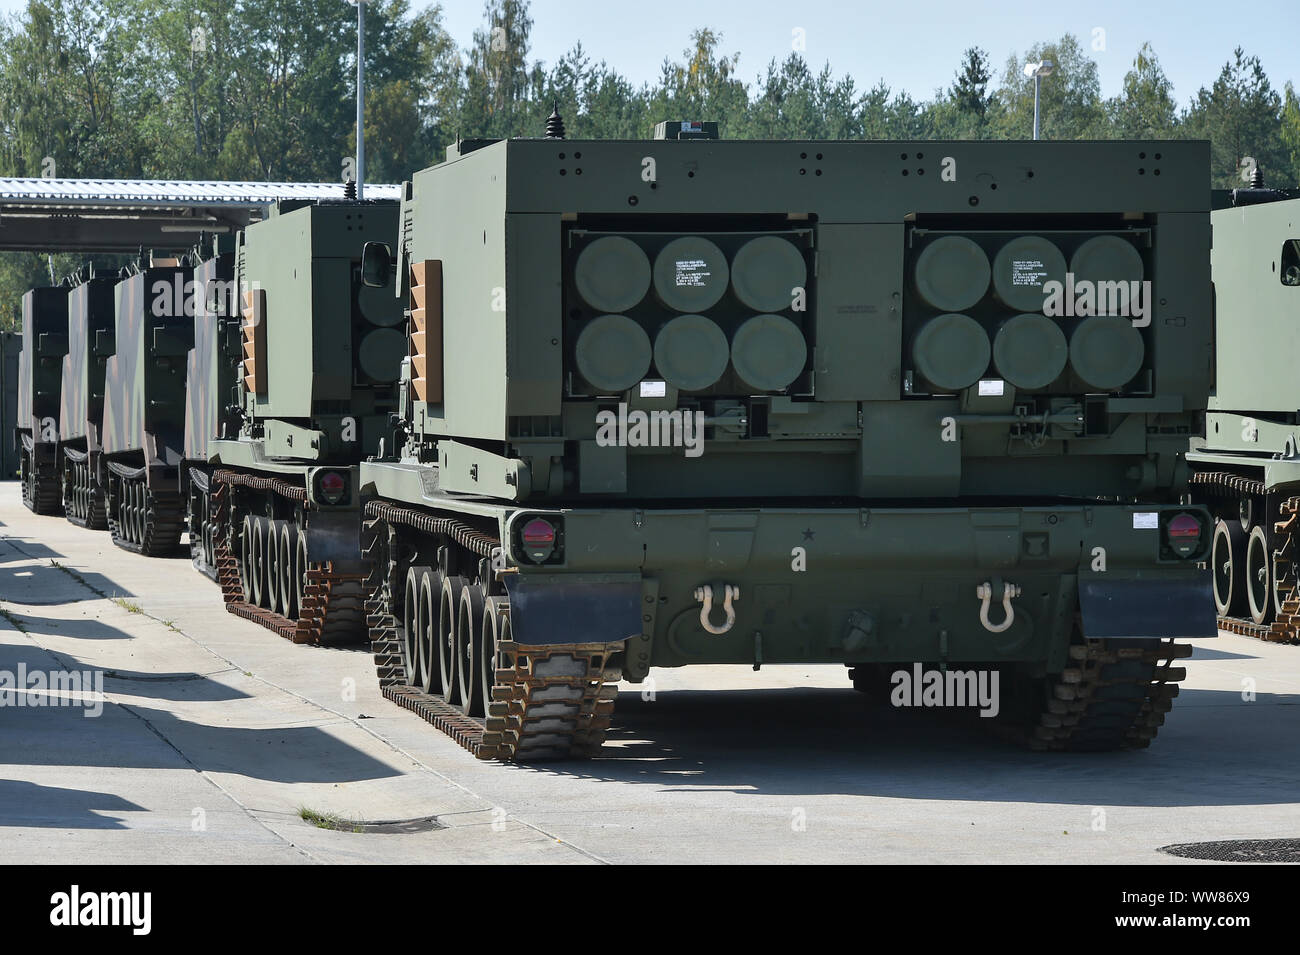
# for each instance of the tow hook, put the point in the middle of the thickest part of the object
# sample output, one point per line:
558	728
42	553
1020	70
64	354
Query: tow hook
985	593
704	595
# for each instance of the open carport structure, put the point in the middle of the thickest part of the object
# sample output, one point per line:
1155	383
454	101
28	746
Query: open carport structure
123	215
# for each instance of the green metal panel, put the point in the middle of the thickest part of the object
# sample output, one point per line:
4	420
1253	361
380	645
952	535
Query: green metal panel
277	257
90	342
334	348
45	342
860	340
1181	320
457	215
859	312
210	366
1253	306
144	379
533	311
858	181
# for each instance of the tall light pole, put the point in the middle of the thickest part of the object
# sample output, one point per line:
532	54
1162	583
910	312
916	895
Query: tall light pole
1038	71
361	96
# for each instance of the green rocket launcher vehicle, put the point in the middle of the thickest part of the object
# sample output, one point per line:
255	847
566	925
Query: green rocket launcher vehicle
1246	466
144	406
308	371
40	371
880	404
91	329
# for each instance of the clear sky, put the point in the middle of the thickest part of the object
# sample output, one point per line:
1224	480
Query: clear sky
914	45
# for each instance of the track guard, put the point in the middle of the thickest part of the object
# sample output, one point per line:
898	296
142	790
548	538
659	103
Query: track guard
548	609
1148	609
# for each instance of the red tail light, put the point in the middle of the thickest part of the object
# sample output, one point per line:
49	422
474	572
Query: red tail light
333	487
1184	534
538	538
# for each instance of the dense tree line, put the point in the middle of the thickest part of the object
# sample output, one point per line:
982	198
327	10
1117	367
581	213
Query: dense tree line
263	89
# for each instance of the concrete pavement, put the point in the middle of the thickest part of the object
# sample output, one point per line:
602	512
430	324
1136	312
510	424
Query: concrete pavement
214	733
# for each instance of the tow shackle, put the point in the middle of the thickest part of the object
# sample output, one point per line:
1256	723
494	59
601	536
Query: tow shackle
704	595
985	594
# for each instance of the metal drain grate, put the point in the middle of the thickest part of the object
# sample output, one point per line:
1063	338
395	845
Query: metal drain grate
1239	850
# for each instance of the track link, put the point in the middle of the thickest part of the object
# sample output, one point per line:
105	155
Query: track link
1114	696
164	520
40	488
83	499
333	608
551	702
1285	626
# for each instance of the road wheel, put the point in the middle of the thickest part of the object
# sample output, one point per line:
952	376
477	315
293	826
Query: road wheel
448	661
469	649
1228	560
256	561
412	631
434	678
496	628
271	556
1259	566
245	558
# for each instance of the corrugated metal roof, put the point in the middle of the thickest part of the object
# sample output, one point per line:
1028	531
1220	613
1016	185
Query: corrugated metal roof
168	193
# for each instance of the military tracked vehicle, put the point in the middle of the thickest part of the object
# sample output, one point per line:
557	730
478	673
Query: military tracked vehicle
90	329
879	404
307	367
40	370
1247	464
211	408
142	437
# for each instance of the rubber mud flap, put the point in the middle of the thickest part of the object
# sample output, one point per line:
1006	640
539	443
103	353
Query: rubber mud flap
1148	609
546	609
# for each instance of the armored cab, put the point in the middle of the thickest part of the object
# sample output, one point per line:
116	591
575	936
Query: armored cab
40	368
320	355
144	405
884	404
91	329
1247	464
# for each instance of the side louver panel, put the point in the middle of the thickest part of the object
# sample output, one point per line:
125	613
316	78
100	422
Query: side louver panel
426	330
254	326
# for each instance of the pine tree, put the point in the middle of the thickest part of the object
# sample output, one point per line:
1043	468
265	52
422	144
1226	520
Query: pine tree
970	92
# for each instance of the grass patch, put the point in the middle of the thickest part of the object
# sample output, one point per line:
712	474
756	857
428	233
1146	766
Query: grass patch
77	577
15	621
128	605
327	820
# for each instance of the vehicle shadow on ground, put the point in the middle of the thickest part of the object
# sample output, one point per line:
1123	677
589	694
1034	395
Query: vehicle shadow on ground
130	735
28	577
33	806
1215	750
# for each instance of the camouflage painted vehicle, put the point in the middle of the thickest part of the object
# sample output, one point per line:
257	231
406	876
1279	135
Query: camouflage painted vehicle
682	402
91	327
143	429
1246	466
40	368
318	360
211	409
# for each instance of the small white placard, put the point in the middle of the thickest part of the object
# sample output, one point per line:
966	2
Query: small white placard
1145	521
992	387
653	389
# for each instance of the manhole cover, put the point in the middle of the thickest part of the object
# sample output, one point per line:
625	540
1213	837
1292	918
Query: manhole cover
1239	850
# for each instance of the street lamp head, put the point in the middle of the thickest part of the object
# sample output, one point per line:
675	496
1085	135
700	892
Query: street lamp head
1040	69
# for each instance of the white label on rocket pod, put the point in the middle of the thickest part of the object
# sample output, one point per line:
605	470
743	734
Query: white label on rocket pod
1145	521
692	272
1028	272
